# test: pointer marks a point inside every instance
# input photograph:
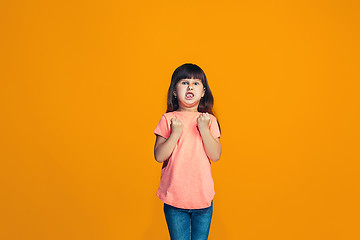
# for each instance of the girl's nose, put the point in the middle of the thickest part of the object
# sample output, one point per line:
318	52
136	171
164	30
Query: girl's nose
190	87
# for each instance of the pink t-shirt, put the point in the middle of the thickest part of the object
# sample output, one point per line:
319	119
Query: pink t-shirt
186	180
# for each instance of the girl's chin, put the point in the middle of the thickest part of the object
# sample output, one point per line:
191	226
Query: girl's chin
189	103
190	100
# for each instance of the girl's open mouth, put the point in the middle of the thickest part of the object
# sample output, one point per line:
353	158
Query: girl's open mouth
189	95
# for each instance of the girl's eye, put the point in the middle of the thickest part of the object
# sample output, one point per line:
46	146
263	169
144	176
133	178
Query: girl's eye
196	83
183	83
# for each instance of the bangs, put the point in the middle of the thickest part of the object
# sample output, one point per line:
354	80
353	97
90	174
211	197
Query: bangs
190	72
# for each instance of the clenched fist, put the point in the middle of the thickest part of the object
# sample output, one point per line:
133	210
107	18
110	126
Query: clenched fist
203	121
176	126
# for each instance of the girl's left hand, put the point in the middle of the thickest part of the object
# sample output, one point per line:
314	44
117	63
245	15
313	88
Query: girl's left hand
203	121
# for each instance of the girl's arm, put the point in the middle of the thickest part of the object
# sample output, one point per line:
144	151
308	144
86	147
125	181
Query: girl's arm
164	147
212	145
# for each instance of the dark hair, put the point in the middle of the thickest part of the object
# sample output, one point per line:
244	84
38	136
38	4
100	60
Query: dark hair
190	71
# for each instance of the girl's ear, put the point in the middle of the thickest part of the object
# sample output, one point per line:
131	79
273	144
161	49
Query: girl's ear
174	93
203	93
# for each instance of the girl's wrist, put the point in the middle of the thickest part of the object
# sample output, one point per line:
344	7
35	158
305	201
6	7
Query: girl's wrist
203	129
175	134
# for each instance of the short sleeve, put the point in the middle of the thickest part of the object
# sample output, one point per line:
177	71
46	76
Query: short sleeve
162	128
214	127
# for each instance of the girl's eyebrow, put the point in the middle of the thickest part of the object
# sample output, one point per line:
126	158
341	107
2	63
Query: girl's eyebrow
196	80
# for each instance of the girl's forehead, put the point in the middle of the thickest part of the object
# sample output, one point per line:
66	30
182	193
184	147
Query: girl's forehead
191	79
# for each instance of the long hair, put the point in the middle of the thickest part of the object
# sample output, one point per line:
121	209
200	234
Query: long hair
190	71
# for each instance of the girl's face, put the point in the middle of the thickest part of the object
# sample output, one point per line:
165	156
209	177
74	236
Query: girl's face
189	93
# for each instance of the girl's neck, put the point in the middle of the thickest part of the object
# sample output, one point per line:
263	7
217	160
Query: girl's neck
187	109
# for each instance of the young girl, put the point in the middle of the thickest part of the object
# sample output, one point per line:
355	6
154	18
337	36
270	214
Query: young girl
187	140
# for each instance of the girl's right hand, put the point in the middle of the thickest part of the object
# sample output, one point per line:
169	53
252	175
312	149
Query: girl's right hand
176	126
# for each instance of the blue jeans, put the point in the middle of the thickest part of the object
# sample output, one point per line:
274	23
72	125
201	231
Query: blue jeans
188	224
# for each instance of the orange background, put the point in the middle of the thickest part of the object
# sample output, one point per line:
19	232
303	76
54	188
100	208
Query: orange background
84	84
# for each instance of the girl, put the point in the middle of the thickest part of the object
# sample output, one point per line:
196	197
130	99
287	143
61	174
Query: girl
187	140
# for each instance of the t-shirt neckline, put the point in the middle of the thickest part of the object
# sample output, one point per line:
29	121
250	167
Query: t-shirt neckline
185	112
